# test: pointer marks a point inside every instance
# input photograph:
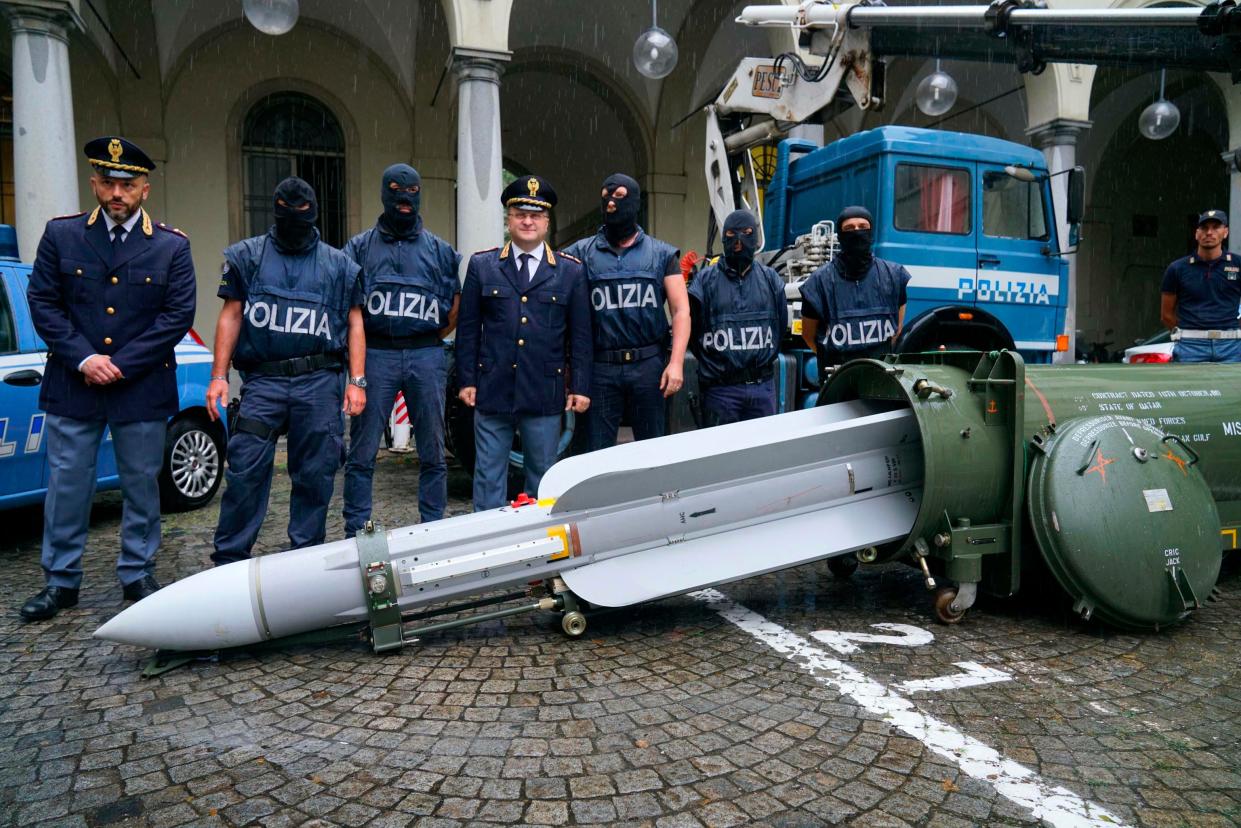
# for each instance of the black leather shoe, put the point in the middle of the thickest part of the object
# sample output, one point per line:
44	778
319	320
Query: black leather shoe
49	602
141	588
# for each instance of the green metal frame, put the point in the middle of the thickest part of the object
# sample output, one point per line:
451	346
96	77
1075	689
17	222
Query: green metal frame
384	613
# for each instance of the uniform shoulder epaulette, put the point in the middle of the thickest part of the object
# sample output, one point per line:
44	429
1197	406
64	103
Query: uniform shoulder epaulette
176	230
69	216
569	256
488	250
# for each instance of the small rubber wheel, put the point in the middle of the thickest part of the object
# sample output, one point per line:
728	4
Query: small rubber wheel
573	624
943	606
842	566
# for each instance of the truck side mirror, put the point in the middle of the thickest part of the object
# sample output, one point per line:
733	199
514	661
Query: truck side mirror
1075	202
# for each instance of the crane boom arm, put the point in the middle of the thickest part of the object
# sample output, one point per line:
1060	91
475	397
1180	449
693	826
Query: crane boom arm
851	37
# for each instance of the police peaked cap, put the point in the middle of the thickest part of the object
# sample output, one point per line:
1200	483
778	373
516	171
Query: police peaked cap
530	192
1213	215
117	158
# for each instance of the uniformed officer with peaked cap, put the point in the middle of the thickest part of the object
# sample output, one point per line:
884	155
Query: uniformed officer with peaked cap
1201	293
111	293
523	343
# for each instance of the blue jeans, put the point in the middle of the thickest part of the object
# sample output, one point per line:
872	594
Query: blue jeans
1207	350
308	408
493	441
72	450
625	390
421	374
733	403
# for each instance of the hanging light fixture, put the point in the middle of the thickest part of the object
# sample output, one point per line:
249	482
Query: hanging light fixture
655	52
273	17
1160	119
937	93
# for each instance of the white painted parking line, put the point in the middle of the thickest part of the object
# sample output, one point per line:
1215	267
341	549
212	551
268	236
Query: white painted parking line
1054	805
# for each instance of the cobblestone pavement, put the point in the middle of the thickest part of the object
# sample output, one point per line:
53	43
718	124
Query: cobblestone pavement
662	715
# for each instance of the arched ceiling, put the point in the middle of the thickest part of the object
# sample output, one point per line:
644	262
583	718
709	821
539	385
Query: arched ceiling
387	27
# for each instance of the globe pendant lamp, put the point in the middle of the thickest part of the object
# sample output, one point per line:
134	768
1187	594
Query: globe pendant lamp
654	52
273	17
1160	119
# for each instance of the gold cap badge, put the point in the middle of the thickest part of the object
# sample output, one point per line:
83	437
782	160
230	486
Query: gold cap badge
532	185
115	150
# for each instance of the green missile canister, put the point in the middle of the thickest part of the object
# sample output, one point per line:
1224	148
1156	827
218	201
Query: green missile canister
1127	479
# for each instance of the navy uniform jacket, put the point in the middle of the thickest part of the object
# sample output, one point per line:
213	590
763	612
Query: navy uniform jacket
859	316
519	344
134	308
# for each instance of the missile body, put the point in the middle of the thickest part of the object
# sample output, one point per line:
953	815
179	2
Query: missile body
628	524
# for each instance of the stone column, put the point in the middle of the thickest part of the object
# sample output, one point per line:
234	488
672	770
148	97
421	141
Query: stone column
45	152
1058	141
480	223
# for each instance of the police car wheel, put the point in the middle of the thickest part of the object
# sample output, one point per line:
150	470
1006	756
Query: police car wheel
193	464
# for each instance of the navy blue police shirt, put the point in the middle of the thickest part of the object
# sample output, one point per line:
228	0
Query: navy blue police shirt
1207	293
737	320
409	284
627	289
295	304
857	314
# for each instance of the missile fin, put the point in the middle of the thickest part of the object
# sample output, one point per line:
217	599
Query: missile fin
651	470
744	553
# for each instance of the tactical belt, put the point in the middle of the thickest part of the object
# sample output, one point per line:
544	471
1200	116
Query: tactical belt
748	376
400	343
292	367
1182	334
623	355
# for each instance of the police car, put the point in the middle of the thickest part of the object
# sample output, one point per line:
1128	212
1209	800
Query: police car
194	449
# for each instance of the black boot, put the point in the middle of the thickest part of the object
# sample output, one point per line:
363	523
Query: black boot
49	602
141	588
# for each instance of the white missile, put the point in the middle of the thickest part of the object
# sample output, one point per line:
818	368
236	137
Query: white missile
616	527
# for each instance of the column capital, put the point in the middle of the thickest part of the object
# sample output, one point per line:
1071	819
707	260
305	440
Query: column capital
1233	159
1057	132
52	18
479	64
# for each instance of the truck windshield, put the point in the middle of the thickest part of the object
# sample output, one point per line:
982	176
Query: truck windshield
1013	209
932	199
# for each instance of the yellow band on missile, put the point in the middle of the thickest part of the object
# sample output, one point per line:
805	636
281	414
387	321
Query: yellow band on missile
546	502
561	532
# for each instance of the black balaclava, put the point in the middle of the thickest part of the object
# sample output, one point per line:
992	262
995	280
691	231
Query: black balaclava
295	229
855	245
739	250
623	223
393	221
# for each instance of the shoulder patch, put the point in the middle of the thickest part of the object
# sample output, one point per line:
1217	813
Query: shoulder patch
69	216
482	252
570	257
174	230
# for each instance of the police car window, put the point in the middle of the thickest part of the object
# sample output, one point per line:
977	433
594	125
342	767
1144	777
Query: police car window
8	331
932	199
1011	208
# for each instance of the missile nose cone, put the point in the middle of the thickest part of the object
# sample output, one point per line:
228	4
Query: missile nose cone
207	611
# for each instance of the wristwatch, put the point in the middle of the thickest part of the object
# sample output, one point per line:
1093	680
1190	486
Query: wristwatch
360	382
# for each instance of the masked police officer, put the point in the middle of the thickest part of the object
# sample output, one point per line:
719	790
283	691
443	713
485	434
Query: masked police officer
739	313
523	344
412	294
1200	295
111	294
631	276
854	306
291	308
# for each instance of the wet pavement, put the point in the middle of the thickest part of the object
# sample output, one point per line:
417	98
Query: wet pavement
762	704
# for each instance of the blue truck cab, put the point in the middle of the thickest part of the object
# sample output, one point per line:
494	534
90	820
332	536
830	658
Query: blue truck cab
969	216
194	448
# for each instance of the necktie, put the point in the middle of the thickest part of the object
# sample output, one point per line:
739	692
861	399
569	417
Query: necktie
527	266
116	235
